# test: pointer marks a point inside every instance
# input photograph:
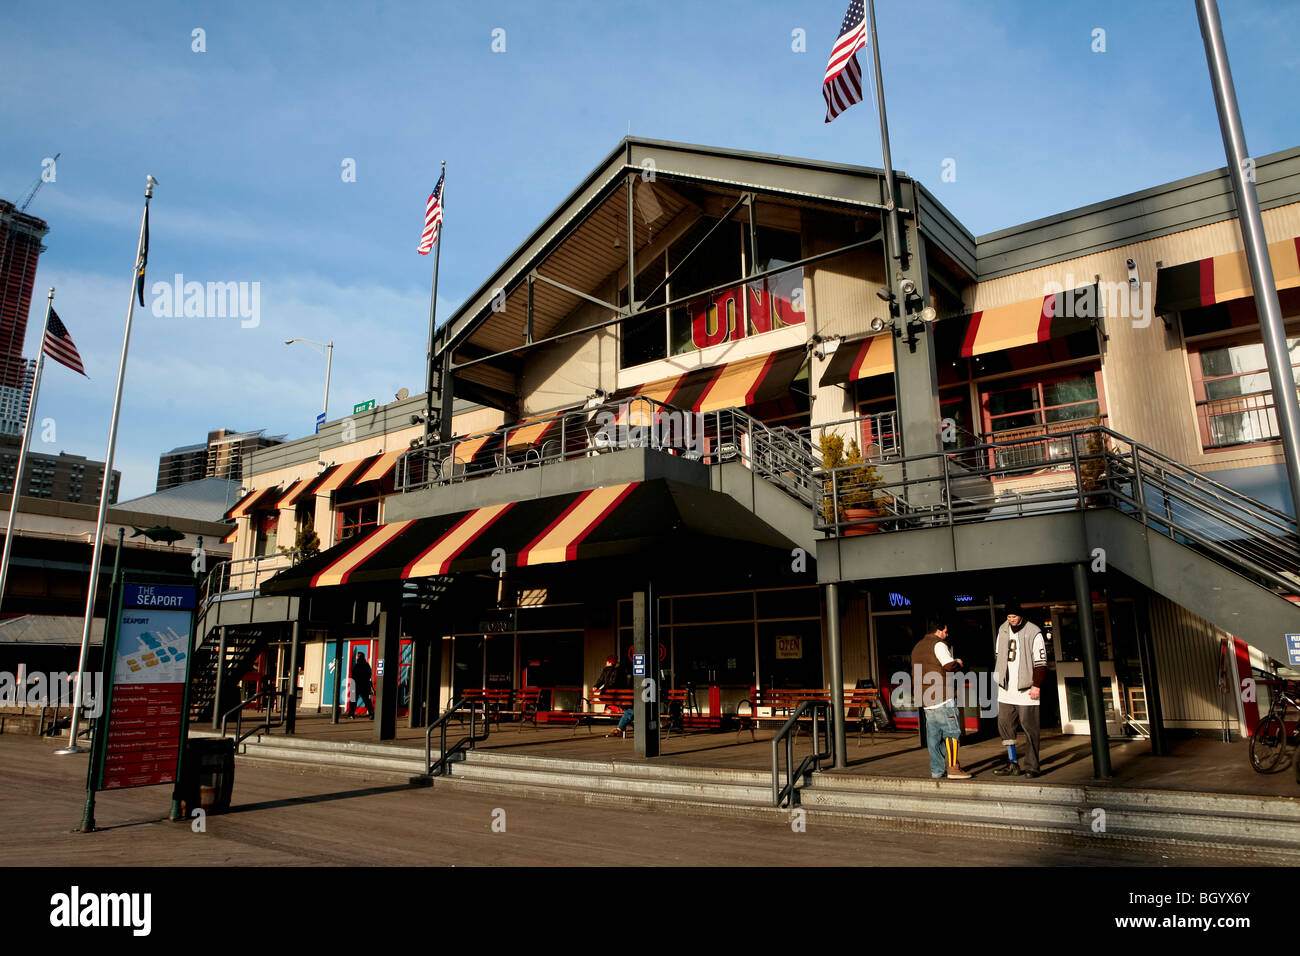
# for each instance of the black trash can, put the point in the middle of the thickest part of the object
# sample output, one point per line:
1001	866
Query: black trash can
210	773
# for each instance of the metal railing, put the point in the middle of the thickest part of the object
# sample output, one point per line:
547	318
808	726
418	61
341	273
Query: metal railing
1104	469
820	713
267	724
441	766
243	574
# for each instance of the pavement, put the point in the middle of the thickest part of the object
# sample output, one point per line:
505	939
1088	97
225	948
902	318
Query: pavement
291	817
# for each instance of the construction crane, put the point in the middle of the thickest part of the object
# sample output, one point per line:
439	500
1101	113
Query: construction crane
36	186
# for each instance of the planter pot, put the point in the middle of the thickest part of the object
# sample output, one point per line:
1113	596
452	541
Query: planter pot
859	514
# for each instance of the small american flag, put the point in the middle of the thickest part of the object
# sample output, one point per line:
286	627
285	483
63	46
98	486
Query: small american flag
432	218
58	345
842	86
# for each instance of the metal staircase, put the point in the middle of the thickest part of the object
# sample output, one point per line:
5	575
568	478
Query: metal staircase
242	647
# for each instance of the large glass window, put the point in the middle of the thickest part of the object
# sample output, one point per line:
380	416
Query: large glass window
1234	398
1027	410
356	519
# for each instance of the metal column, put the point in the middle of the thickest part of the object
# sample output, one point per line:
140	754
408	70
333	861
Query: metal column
1150	678
837	672
1091	673
1256	244
389	657
291	691
645	686
221	676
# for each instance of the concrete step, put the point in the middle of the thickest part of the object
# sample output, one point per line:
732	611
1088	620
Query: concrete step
604	782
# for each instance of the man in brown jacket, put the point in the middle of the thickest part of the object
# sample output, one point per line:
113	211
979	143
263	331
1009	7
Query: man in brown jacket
932	662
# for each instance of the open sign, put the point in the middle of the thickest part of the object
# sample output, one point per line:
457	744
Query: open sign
789	648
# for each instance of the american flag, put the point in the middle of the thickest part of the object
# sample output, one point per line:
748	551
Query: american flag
432	218
842	85
59	346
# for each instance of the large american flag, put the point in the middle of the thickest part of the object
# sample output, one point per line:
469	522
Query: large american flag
59	346
432	218
842	85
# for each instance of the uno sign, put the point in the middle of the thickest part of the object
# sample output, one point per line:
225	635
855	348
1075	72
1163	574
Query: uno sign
723	319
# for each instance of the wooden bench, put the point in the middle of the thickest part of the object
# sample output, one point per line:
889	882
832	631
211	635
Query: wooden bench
613	702
494	701
782	702
526	705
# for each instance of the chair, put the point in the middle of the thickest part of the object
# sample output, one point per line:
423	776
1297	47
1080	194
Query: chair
532	457
602	442
451	470
550	450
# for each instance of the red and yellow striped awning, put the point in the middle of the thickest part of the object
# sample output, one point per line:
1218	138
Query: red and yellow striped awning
738	384
861	359
1223	278
647	518
255	500
1033	320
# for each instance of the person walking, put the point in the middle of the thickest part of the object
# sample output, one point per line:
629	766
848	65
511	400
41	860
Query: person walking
1019	672
932	662
361	689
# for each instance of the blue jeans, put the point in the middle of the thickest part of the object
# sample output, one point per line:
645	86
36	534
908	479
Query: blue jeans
625	719
940	723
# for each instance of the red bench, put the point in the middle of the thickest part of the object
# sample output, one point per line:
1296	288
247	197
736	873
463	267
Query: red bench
782	702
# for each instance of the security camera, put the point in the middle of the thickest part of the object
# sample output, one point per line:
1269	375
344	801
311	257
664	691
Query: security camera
1130	263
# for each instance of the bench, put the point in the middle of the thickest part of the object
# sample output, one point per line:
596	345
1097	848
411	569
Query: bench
613	702
527	702
782	702
494	701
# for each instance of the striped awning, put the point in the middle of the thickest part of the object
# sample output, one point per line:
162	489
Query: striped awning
381	467
860	359
738	384
596	524
1193	285
1033	320
253	501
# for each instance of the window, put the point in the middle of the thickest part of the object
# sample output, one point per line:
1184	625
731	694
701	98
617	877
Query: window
357	519
1234	398
265	524
722	316
1028	409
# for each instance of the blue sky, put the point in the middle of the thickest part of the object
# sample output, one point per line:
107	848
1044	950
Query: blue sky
248	139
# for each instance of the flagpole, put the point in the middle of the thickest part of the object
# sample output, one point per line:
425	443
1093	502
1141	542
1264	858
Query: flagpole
890	205
433	311
104	491
22	450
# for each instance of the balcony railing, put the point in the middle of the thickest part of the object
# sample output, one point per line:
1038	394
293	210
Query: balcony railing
245	574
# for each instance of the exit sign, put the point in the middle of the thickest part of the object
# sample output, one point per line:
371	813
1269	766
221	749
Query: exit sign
363	407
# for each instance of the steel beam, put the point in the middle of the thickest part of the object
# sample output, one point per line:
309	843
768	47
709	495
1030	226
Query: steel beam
837	673
1091	673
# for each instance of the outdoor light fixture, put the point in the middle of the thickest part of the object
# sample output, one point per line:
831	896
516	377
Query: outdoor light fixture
908	287
928	314
885	294
877	323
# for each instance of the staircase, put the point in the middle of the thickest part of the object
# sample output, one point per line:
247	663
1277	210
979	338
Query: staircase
243	645
1240	828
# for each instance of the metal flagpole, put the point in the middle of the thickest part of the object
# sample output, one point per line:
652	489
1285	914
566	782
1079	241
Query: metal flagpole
97	550
433	311
1252	232
890	203
22	450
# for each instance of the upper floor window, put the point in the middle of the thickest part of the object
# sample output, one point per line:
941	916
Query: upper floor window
1234	398
357	519
722	315
265	525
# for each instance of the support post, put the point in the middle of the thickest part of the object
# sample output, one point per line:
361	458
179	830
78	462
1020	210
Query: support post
415	696
1150	678
837	672
291	691
1091	673
221	676
390	659
645	685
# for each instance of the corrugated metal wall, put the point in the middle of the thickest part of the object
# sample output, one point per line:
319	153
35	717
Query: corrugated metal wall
1187	659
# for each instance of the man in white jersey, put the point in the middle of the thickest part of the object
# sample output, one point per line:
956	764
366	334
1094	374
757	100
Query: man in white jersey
1019	673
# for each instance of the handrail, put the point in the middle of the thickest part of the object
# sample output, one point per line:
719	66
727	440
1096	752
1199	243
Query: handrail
267	724
441	766
811	763
213	581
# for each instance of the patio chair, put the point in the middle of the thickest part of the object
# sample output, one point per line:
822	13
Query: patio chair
452	469
550	450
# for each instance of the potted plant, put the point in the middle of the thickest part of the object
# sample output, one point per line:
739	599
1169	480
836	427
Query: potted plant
305	545
856	482
1092	464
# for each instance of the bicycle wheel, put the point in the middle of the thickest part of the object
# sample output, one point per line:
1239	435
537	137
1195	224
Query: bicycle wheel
1268	743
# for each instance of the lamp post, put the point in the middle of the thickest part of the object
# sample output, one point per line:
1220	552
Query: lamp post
328	351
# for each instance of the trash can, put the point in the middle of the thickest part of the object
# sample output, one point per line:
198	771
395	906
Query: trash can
210	773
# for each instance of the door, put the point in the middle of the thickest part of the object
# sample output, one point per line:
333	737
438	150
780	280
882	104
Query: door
1071	691
366	648
716	663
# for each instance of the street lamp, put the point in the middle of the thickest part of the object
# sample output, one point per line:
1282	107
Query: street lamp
328	351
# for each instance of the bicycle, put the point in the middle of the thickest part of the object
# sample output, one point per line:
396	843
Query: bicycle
1269	742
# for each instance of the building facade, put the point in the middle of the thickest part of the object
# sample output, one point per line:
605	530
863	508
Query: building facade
61	477
20	248
221	456
785	466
